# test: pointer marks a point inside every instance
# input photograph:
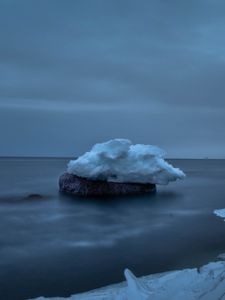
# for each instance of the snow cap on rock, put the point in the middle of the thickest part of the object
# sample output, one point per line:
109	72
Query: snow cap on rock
119	161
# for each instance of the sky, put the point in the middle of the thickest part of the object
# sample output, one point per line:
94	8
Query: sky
77	72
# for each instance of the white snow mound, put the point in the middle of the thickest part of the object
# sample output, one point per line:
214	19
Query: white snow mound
119	161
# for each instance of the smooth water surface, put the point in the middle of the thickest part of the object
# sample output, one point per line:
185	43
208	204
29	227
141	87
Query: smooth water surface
58	245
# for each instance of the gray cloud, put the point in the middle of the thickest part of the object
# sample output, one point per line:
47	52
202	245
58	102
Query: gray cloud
149	70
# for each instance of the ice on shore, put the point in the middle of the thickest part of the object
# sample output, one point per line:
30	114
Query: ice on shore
119	161
220	213
206	283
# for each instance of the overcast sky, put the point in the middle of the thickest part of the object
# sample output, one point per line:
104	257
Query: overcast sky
77	72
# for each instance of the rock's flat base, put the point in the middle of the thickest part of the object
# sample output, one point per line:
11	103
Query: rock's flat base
76	185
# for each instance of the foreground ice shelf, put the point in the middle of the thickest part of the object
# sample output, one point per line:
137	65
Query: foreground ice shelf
206	283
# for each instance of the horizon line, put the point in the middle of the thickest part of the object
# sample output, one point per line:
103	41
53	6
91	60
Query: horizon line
72	157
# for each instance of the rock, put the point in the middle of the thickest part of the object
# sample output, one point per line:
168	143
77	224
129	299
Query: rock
80	186
34	196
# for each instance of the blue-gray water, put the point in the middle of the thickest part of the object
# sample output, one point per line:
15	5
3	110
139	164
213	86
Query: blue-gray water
59	245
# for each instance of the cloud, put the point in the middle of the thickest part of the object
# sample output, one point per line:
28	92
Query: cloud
153	56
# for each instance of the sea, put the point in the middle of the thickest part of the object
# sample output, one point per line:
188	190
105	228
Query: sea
53	244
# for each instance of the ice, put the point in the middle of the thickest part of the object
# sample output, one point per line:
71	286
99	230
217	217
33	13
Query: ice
119	161
206	283
220	213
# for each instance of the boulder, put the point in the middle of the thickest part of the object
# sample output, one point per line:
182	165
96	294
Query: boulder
80	186
34	197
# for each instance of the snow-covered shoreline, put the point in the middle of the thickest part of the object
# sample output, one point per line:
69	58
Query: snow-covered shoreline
206	283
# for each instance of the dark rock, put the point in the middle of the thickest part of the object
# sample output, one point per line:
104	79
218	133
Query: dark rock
85	187
34	196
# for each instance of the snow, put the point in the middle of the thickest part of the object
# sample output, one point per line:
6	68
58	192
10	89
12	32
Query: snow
119	161
220	213
206	283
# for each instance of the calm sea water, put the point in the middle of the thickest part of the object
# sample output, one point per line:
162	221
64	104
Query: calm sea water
58	245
